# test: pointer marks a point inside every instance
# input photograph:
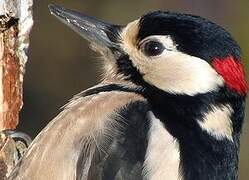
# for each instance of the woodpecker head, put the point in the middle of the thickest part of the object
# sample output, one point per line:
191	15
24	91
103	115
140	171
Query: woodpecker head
176	53
189	69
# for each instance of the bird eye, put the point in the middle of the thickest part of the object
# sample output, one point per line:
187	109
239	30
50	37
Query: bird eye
152	48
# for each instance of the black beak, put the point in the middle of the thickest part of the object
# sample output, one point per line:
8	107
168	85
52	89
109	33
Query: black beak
92	29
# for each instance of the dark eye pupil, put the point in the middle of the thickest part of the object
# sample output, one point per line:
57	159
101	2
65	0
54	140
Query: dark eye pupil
153	48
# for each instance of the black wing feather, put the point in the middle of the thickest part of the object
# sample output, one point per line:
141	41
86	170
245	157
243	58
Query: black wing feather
125	152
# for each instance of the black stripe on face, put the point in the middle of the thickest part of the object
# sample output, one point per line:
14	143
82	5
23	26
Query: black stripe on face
130	72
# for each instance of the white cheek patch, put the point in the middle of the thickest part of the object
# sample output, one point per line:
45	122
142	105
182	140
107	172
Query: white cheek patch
162	155
218	123
183	74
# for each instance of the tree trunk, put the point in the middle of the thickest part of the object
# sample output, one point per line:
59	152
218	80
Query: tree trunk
15	24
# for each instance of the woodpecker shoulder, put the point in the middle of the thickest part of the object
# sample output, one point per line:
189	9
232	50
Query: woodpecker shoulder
90	117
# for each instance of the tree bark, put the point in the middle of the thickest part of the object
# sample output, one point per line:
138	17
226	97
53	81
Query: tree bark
15	24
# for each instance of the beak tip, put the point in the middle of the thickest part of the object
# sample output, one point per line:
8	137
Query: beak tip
51	8
54	9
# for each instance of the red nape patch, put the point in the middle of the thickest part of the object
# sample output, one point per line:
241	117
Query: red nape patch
233	74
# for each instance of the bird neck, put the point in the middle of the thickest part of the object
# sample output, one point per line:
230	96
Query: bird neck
202	154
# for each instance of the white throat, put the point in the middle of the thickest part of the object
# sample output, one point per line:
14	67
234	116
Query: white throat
162	156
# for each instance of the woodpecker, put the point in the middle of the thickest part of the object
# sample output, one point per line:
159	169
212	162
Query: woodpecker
170	105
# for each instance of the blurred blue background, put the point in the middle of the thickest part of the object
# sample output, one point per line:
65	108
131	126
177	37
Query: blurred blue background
61	64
